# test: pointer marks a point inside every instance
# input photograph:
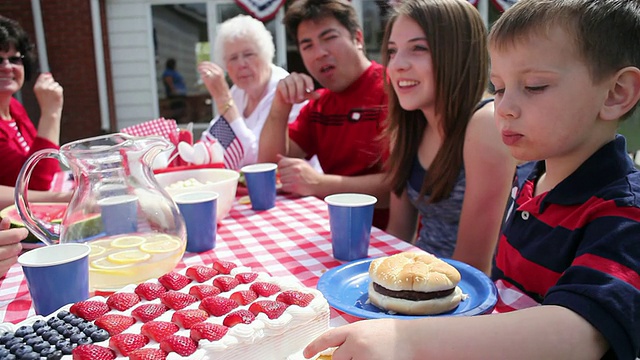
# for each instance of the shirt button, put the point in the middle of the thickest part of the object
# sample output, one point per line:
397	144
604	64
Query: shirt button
525	215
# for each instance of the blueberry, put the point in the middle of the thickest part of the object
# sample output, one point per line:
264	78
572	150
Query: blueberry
90	329
33	340
9	357
74	338
82	325
29	336
56	322
62	314
61	328
23	349
67	348
85	341
30	356
38	324
71	331
4	352
15	347
69	318
77	321
24	330
48	350
48	334
100	335
12	342
38	347
55	338
6	337
56	355
61	343
51	320
42	330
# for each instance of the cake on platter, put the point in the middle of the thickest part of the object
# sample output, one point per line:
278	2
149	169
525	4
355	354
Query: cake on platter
223	311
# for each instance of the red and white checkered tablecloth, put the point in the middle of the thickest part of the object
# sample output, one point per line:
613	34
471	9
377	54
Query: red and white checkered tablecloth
291	239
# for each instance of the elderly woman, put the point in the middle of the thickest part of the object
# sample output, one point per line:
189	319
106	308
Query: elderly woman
18	136
244	48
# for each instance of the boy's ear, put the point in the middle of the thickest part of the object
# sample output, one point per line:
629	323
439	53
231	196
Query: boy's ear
359	38
623	95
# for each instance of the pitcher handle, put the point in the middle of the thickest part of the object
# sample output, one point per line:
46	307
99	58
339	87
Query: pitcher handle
36	226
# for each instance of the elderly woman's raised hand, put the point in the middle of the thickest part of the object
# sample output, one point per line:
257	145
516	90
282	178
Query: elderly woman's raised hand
10	246
296	88
214	79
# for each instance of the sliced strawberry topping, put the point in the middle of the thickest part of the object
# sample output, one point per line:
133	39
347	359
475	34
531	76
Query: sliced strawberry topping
238	317
264	289
174	281
207	330
224	267
177	300
225	283
122	301
243	297
126	343
181	345
89	309
93	352
189	317
273	309
114	323
147	354
247	277
293	297
217	305
148	312
201	273
202	291
150	291
159	330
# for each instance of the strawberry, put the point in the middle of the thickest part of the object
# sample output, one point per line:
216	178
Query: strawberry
89	309
177	300
273	309
174	281
201	273
189	317
245	278
114	323
217	305
207	330
202	291
241	316
147	354
293	297
181	345
224	267
122	301
148	312
264	289
126	343
243	297
225	283
150	291
158	330
93	352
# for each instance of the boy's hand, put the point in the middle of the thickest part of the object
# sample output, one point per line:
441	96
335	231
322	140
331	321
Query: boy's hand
296	88
297	176
10	246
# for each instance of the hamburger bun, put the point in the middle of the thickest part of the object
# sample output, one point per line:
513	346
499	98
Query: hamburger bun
416	275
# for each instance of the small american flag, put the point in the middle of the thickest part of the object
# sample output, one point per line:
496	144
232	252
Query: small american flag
233	151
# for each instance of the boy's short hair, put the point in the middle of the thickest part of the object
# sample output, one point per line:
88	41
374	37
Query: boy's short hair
302	10
606	32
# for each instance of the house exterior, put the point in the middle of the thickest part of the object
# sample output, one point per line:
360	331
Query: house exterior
109	54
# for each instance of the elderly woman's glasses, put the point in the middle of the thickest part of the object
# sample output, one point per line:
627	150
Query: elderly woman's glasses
13	60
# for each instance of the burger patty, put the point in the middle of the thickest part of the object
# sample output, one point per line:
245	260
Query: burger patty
412	295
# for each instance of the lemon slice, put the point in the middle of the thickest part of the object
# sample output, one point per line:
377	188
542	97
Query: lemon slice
159	237
163	246
127	241
128	257
96	250
105	264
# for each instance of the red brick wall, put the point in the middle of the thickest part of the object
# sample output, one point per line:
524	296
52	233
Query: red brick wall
69	40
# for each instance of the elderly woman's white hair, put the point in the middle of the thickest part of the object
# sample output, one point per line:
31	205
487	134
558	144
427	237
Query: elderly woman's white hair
243	27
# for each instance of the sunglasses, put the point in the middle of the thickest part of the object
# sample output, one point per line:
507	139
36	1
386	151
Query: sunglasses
14	60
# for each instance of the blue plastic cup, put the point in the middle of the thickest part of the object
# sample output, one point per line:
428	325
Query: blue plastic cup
261	183
350	219
198	209
119	214
56	275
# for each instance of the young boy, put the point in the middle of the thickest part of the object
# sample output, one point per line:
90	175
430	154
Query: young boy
565	73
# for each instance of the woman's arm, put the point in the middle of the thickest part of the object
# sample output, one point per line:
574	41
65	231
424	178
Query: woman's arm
489	169
403	218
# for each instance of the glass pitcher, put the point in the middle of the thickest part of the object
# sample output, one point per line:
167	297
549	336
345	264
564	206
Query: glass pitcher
133	227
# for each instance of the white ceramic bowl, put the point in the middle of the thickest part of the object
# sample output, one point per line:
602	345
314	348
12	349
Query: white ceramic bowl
222	181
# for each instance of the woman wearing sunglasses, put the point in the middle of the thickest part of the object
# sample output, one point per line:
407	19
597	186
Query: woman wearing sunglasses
19	138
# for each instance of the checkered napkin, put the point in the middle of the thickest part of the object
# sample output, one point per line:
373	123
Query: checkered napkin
166	128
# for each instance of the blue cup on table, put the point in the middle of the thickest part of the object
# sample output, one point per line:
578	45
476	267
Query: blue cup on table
350	220
199	209
119	214
56	275
261	183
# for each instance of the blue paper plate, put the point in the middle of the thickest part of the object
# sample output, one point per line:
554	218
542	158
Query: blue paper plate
346	289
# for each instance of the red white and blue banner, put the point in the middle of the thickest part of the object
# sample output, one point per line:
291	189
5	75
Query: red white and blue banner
263	10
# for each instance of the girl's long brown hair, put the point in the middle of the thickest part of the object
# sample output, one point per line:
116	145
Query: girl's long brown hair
457	40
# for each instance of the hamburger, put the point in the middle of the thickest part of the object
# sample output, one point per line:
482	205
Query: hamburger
413	283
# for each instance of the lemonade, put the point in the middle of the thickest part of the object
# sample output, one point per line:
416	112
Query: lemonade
119	260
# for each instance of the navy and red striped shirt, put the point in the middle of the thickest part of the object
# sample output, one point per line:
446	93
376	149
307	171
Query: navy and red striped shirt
578	245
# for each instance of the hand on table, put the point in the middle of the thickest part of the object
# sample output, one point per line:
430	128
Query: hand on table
297	176
296	88
10	246
362	340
